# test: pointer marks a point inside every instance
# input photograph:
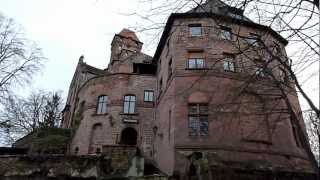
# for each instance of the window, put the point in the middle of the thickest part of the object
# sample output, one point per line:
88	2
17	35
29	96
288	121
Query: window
195	30
226	33
195	60
253	39
129	104
102	104
198	120
260	72
229	64
148	96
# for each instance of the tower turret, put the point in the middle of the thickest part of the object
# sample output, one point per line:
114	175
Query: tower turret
124	44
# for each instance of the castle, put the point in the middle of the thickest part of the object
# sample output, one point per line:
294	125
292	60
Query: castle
205	103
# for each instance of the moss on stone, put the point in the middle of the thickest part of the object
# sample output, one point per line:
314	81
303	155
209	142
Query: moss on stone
47	141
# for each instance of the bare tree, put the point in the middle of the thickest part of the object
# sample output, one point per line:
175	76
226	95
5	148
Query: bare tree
21	116
20	58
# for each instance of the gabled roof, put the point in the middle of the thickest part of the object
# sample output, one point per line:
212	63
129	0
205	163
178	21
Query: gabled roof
127	33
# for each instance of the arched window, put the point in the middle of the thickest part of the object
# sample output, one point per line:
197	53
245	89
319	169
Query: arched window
129	104
102	104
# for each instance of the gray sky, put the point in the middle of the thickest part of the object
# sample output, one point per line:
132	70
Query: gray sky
66	29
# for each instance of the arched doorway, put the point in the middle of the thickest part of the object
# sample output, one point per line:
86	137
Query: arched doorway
129	136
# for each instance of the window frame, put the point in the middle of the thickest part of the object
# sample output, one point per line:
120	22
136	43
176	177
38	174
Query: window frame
224	29
101	104
129	104
191	26
199	57
196	63
196	119
229	59
148	92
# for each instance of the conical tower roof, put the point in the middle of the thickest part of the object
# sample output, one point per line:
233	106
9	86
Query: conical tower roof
127	33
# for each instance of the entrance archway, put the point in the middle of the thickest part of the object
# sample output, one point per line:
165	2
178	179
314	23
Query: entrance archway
129	136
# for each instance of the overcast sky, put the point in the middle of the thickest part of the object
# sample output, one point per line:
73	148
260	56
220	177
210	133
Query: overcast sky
66	29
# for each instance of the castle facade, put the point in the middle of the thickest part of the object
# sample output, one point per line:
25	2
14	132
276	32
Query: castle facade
214	97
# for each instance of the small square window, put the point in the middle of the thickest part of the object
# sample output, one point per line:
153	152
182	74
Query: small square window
226	33
195	30
260	72
148	96
229	64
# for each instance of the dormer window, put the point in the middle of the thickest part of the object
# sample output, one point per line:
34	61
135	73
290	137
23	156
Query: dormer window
195	30
225	33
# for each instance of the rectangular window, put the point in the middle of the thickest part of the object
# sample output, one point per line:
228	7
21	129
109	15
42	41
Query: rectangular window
198	120
195	60
102	104
225	33
148	96
195	30
229	63
129	104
